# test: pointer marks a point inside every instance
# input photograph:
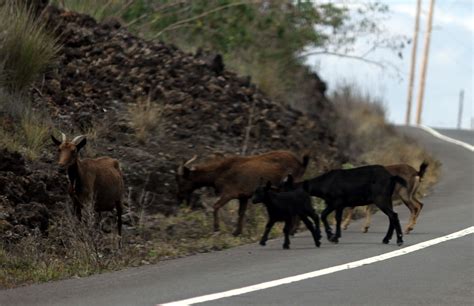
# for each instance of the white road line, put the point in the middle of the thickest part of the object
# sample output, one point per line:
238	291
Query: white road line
347	266
317	273
446	138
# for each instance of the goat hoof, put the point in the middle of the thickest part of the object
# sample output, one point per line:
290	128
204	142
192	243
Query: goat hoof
385	241
365	229
263	243
318	244
286	246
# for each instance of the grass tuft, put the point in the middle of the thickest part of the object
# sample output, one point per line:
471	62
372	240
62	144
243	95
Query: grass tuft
35	132
26	48
145	117
364	133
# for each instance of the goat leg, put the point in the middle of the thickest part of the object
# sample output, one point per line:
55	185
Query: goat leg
390	214
268	228
348	219
335	238
324	216
286	231
221	202
368	219
240	222
311	228
398	229
118	207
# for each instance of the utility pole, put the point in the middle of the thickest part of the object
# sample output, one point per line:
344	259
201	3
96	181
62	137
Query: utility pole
461	100
421	90
413	62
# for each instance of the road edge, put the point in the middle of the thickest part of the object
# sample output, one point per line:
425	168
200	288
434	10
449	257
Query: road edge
445	138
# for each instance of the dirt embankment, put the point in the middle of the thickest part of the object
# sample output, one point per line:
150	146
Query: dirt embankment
103	72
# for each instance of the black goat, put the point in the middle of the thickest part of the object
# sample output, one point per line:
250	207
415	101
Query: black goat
354	187
285	206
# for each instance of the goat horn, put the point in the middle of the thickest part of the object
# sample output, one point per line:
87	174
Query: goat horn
63	137
191	160
78	139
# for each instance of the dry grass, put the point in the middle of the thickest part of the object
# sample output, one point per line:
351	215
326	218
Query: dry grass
366	138
34	131
145	118
71	248
27	133
79	249
26	48
365	135
99	9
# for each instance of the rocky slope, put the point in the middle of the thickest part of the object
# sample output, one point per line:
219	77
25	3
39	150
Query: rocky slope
103	71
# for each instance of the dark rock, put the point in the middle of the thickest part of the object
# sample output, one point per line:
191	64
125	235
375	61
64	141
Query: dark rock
12	161
32	215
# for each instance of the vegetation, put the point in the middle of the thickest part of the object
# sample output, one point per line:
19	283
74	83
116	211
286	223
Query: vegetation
26	48
79	249
366	138
99	9
267	40
145	118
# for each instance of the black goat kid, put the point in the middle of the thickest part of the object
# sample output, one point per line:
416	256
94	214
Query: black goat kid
354	187
284	207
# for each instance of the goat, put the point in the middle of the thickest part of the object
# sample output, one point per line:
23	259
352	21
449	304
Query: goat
237	177
355	187
98	181
406	195
285	206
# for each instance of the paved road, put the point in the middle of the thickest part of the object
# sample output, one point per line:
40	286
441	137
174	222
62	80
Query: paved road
463	135
441	274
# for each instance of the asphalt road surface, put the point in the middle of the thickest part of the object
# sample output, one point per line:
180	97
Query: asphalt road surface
442	274
466	136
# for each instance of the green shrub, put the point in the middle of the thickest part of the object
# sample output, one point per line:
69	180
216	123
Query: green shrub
26	48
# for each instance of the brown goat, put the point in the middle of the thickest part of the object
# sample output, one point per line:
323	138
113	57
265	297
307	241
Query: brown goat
237	177
96	181
406	195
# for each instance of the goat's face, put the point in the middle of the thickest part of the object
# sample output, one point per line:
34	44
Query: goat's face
260	193
184	182
185	187
68	151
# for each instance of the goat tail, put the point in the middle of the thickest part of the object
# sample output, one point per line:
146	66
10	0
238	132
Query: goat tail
400	180
422	170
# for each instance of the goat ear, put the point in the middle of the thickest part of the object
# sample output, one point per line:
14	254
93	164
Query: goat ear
55	141
81	144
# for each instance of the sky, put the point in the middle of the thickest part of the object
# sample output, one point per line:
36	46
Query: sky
450	66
